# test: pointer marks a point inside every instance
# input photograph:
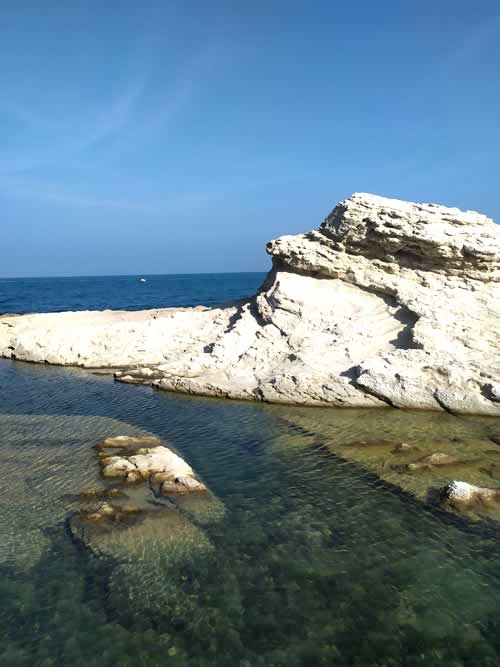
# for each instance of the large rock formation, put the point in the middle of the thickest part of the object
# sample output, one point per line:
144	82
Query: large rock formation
388	303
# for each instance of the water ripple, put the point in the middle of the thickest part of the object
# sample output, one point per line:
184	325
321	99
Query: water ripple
315	560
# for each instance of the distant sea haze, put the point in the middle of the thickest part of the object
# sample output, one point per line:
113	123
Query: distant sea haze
45	295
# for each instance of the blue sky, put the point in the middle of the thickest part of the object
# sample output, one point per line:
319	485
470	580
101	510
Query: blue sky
166	137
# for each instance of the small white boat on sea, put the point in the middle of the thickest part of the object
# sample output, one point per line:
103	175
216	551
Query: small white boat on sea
142	280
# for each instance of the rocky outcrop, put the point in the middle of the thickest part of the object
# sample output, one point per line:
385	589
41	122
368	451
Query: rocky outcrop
387	303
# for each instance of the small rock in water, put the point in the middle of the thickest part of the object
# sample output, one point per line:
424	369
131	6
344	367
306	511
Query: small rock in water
147	459
495	437
436	459
463	494
404	447
104	511
144	462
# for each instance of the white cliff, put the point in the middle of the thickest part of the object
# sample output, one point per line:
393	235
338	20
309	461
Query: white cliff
388	303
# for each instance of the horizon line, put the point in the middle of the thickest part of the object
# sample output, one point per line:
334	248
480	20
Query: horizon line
131	275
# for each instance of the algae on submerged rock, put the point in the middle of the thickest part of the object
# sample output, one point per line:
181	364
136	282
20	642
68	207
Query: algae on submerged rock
419	452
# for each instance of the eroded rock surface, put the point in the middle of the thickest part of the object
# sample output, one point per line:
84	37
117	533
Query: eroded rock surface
387	303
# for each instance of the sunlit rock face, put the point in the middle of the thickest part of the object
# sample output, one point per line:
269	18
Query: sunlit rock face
387	303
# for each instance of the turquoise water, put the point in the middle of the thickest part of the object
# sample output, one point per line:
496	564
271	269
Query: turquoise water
299	557
41	295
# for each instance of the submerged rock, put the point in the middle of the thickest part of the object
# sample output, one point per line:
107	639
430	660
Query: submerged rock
387	303
151	554
436	459
48	470
464	445
131	523
106	510
404	447
146	541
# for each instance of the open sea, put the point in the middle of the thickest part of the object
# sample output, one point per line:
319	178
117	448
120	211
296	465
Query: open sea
315	546
50	295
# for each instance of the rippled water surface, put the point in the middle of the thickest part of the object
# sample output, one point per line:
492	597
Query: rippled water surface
42	295
306	553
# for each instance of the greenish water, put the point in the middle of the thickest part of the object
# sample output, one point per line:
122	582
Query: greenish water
301	556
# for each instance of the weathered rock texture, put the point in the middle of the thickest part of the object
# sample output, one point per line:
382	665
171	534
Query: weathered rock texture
388	303
147	459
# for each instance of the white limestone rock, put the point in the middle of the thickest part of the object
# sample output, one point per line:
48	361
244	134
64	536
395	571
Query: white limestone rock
116	466
182	486
387	303
145	462
462	494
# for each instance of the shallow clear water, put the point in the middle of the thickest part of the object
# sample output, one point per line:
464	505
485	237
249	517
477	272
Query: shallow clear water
301	557
42	295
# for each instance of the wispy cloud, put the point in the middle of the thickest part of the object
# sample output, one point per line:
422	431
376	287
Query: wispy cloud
64	135
55	194
109	121
53	143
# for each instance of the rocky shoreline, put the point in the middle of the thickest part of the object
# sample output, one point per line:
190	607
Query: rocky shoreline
388	303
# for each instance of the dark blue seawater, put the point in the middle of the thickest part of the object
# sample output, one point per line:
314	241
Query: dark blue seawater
48	295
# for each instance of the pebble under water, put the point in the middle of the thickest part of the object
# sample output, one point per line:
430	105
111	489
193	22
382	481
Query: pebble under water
309	558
